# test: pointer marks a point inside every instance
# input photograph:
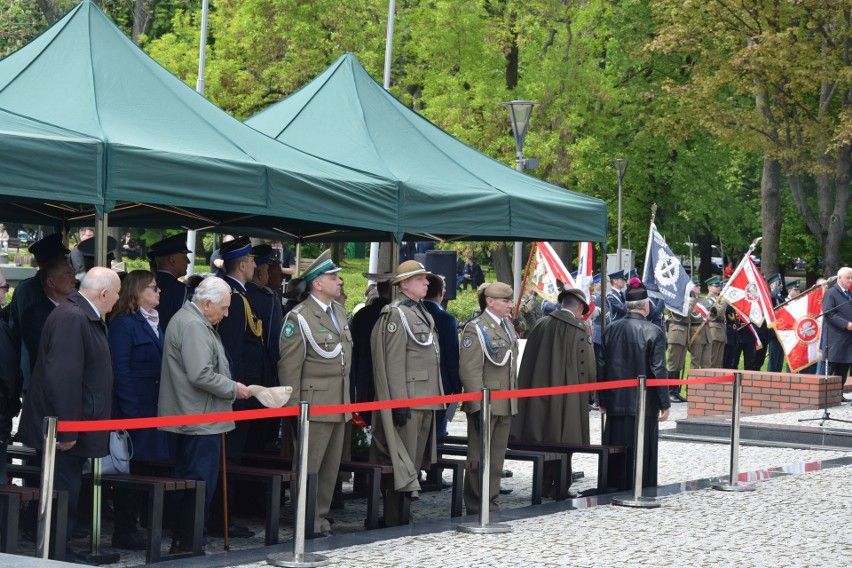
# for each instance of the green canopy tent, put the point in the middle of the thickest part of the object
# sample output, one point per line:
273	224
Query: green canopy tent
90	124
446	189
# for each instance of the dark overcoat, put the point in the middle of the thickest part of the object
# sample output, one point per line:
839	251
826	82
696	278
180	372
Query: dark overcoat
838	338
72	379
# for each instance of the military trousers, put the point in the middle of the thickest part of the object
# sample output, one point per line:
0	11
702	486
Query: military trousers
325	450
415	436
472	479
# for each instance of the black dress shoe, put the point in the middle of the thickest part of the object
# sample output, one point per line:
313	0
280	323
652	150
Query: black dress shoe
505	491
321	534
129	541
507	473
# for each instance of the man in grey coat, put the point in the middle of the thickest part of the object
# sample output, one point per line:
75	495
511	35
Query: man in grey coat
196	379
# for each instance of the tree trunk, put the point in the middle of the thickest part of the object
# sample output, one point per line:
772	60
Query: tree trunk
338	251
143	18
50	10
566	252
770	215
502	264
835	230
387	262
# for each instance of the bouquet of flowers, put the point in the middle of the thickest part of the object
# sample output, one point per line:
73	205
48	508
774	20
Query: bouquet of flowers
362	435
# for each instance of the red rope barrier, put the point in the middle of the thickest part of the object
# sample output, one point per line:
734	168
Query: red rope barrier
237	415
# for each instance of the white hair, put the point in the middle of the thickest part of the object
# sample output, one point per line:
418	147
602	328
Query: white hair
636	304
844	270
211	288
97	279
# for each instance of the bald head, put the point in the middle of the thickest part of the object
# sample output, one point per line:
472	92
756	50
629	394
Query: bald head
101	286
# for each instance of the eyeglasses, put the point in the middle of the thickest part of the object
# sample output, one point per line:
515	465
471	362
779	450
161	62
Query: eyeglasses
4	286
153	287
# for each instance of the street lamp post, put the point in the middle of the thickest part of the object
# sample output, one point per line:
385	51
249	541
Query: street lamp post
519	115
620	168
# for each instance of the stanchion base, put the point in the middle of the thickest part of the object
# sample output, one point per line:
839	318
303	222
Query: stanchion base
476	528
290	559
103	558
638	502
725	486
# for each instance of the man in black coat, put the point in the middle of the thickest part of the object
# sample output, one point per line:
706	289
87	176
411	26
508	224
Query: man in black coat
58	281
171	260
837	307
631	347
362	354
448	341
72	380
11	380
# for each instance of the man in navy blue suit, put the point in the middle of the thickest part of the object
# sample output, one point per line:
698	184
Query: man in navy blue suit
837	306
448	341
171	260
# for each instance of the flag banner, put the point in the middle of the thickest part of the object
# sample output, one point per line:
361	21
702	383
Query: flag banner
799	329
758	344
665	276
702	309
585	272
546	270
746	291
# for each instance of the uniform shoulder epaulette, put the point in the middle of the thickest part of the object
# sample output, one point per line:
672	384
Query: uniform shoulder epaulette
407	302
298	308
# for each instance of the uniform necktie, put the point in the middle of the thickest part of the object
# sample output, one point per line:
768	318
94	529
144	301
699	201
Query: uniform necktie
333	318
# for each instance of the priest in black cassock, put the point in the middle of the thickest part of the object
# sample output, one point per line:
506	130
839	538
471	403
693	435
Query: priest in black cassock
631	347
558	352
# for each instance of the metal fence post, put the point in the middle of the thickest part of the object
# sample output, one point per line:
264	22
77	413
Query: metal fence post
299	557
638	500
733	483
483	526
45	503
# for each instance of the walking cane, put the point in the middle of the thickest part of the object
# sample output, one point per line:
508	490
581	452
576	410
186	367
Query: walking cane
225	493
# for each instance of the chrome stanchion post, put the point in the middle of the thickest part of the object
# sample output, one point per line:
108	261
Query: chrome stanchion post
638	500
95	556
483	526
299	557
45	502
733	477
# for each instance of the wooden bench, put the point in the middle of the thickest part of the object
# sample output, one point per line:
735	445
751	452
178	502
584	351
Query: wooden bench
603	453
457	490
155	489
538	460
13	496
272	479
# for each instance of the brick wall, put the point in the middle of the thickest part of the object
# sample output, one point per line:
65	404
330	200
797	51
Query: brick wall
762	393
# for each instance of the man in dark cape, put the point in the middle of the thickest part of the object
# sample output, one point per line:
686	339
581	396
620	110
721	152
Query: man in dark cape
633	346
558	352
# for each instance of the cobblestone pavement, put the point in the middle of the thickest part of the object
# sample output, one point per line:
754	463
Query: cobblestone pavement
791	520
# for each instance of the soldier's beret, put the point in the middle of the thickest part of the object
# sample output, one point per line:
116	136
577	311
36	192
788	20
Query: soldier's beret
499	290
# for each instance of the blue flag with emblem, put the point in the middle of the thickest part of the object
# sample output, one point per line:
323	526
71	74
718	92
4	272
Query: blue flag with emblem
665	277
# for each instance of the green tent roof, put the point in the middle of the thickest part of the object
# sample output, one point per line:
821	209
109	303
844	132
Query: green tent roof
89	119
445	187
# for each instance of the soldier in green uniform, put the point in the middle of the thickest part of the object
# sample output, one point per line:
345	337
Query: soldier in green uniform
714	355
680	330
529	312
315	357
488	358
406	364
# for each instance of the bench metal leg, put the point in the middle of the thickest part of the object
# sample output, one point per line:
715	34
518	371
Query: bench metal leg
563	481
457	497
155	523
374	485
11	505
405	508
310	504
198	517
603	468
538	479
59	524
273	511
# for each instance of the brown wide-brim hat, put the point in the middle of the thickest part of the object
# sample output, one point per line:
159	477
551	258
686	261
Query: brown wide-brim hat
577	293
408	269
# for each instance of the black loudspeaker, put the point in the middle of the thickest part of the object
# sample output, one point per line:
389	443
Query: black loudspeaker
443	262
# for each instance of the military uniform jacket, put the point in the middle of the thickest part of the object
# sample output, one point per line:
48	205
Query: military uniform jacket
681	328
488	358
315	358
243	345
406	364
173	295
716	323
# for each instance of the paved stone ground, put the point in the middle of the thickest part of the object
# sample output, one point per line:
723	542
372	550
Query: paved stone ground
791	520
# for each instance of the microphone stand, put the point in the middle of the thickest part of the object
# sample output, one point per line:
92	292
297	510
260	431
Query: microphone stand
826	415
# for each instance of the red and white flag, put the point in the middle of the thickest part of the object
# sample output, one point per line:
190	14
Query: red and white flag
546	269
585	272
799	329
746	291
758	344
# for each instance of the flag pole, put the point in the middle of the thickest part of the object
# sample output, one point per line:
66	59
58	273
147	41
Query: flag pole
722	292
808	291
650	238
524	281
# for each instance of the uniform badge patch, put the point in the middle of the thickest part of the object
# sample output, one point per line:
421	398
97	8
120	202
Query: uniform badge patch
391	327
289	329
467	342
